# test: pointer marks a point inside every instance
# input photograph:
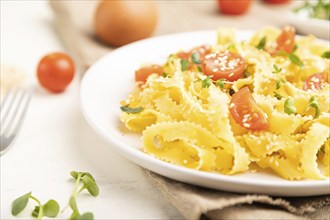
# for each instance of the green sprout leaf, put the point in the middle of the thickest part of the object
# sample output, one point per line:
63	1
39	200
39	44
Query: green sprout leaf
90	185
278	84
35	212
219	83
51	208
195	58
296	60
276	69
72	203
289	107
184	64
128	109
278	96
295	48
19	204
75	215
326	55
262	43
86	216
206	83
313	103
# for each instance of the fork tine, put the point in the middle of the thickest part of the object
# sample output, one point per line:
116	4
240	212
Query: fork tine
4	110
24	107
13	111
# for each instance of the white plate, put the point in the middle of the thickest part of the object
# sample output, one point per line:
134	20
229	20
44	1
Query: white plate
111	79
306	25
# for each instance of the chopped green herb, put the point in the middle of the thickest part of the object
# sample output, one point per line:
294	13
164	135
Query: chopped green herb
231	47
128	109
296	60
206	83
295	48
200	69
326	55
278	84
262	43
289	107
195	58
165	75
219	83
278	96
276	69
313	103
184	64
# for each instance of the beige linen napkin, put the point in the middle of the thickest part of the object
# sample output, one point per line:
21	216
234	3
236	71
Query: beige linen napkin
73	20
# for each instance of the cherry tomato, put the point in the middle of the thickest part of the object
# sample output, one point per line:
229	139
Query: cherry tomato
143	73
277	1
286	42
55	71
316	81
236	7
246	112
202	50
225	65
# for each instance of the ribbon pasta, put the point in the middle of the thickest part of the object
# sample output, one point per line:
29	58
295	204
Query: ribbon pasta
190	125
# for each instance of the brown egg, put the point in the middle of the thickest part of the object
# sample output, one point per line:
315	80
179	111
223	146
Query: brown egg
120	22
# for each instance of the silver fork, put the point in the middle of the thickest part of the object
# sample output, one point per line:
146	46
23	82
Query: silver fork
12	112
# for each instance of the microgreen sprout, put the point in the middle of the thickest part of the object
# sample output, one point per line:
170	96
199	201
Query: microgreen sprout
219	83
206	83
296	60
195	58
184	64
278	96
49	209
262	43
289	107
326	55
87	181
276	69
313	103
128	109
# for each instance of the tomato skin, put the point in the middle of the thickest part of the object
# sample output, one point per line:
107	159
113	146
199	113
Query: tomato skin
286	40
55	71
316	81
277	1
246	112
225	65
237	7
144	72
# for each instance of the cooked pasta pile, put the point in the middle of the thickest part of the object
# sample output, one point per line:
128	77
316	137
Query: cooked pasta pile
187	117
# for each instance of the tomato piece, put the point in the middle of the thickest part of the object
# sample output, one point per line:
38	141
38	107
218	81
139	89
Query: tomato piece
286	40
202	50
224	65
236	7
316	81
144	72
246	112
55	71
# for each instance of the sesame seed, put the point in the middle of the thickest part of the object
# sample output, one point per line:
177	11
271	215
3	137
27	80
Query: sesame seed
232	105
246	125
276	163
